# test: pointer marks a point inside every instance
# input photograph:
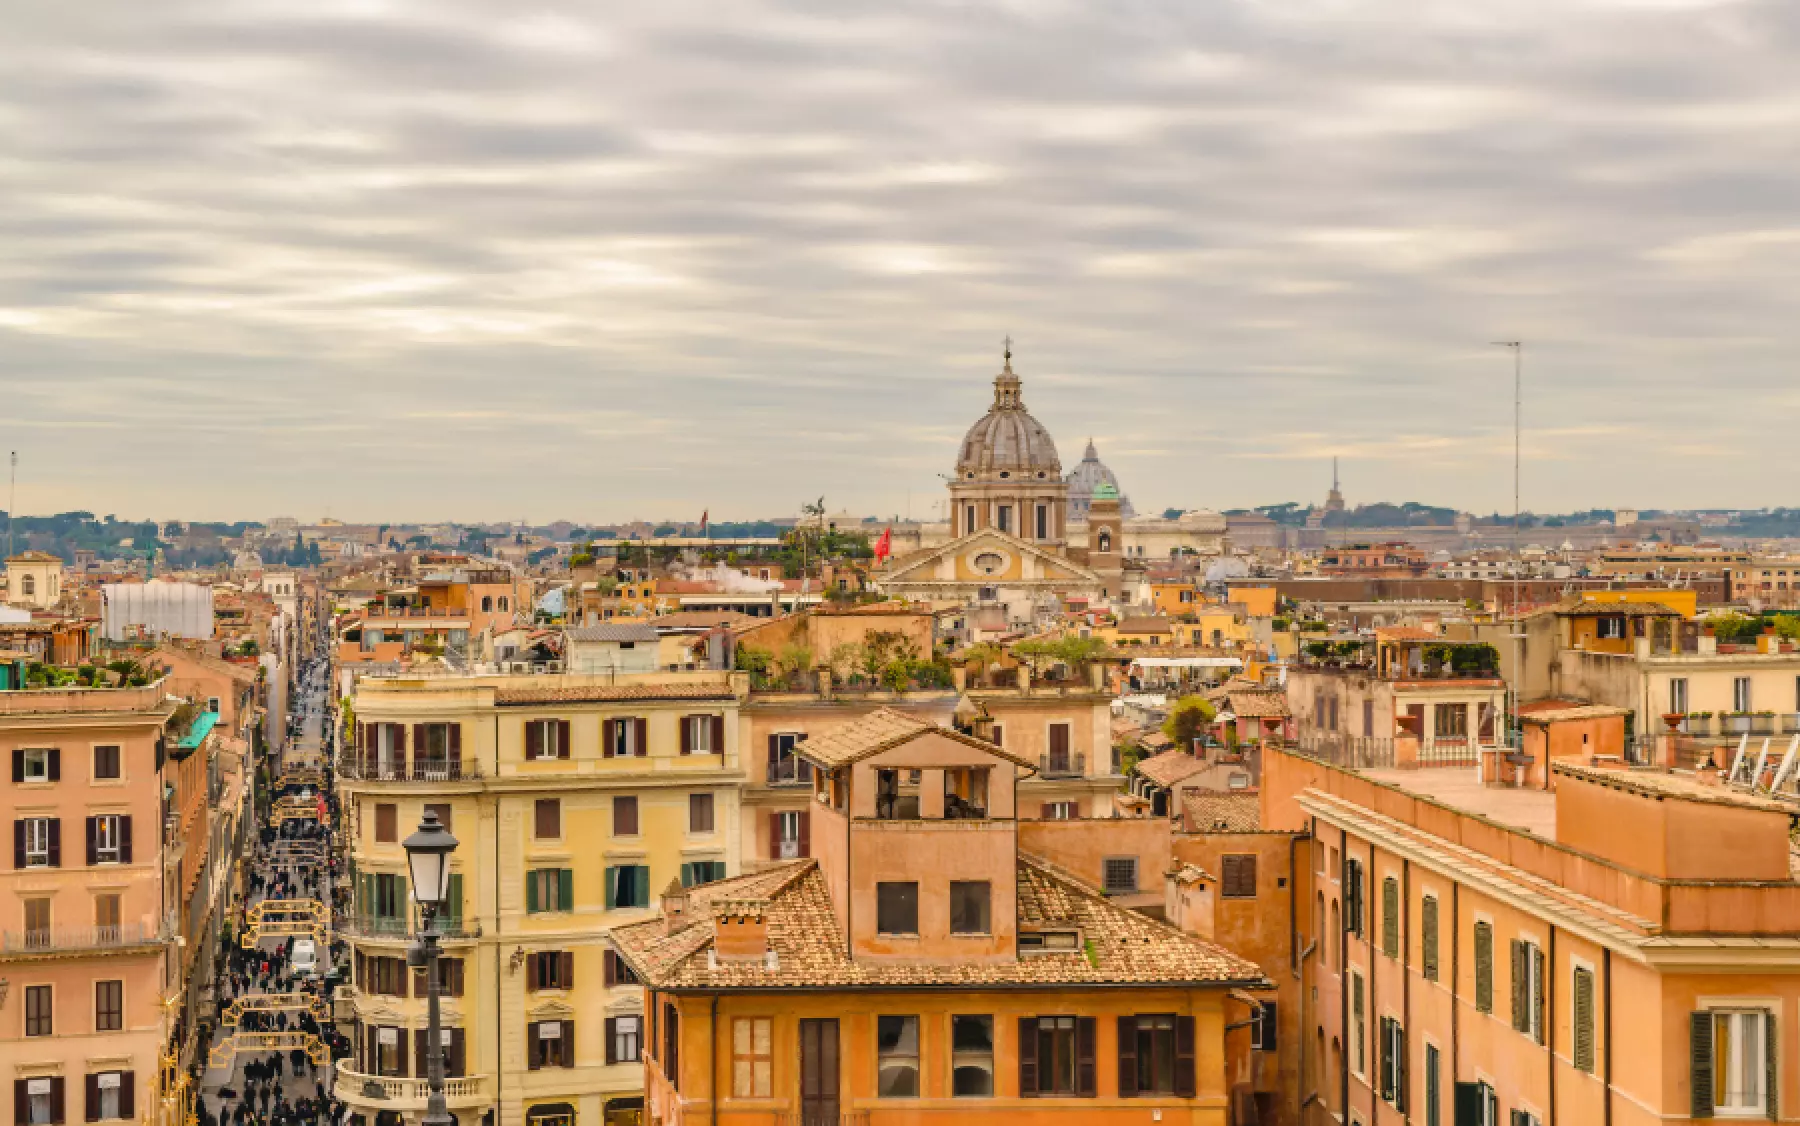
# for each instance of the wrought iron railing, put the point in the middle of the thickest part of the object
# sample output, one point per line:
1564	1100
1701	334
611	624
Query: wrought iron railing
35	939
1062	766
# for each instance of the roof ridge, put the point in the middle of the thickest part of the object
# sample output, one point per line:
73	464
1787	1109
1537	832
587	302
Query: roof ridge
1100	898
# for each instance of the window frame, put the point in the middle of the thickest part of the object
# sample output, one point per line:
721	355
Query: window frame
1113	887
972	1057
40	1011
698	801
908	1025
117	761
986	929
1232	875
39	755
745	1058
908	890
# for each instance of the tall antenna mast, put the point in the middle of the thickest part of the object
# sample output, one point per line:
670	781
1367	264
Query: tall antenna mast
1518	632
12	504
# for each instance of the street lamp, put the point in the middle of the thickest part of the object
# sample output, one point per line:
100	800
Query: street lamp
428	856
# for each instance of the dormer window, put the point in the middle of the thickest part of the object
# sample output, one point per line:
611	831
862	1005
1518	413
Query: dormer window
1049	942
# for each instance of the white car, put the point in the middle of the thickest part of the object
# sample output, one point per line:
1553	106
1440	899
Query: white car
305	959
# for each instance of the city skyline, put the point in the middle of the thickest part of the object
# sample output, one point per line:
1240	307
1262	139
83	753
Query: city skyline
440	261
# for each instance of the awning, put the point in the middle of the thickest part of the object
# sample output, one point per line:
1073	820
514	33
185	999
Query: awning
1188	662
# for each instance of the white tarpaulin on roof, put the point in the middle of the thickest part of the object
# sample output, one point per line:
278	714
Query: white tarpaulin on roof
128	610
1188	662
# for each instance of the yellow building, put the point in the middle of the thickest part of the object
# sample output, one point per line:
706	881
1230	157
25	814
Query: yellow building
576	801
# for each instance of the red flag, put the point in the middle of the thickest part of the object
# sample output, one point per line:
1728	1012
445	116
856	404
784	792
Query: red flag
884	545
703	518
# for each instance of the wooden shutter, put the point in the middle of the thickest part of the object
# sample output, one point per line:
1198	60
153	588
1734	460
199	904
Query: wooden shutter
806	832
547	818
718	734
1127	1027
1771	1067
609	736
456	750
1582	1015
456	978
19	843
1521	991
21	1088
1428	937
56	842
125	840
1027	1057
565	889
533	1051
610	977
534	738
56	776
611	1029
93	855
56	1099
1700	1064
1467	1104
1390	917
92	1101
774	834
420	1059
1484	967
531	891
1087	1046
686	723
1186	1080
19	776
565	975
534	972
641	740
459	1052
1401	1099
774	755
562	738
127	1095
399	730
1535	993
568	1043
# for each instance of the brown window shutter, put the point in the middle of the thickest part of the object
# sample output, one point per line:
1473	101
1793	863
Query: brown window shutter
56	767
399	730
686	723
21	1087
459	1052
1186	1085
774	836
533	1051
998	738
1087	1044
610	976
19	843
125	839
1028	1055
1428	937
534	738
643	737
718	735
456	978
421	1062
1582	1016
56	1099
19	776
127	1095
56	842
1521	1021
93	848
1484	967
1390	917
1700	1064
1046	809
420	987
774	752
92	1101
533	978
609	736
806	832
566	973
1059	738
612	1032
1535	1002
456	748
1127	1057
562	738
568	1043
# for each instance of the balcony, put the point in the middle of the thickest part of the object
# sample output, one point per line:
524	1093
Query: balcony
411	613
403	1093
1062	766
810	1118
401	926
358	769
790	772
61	940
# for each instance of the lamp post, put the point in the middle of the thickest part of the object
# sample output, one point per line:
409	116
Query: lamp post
428	856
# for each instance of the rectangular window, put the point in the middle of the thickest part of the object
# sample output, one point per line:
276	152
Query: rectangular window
897	1057
546	823
106	763
1056	1056
1740	693
1265	1028
106	916
553	969
625	816
1740	1062
1678	695
108	835
1120	874
788	835
37	922
972	1057
1434	1095
37	834
36	765
752	1056
1003	519
699	872
1062	811
542	739
1582	1019
443	813
969	906
1428	937
627	1034
897	908
1153	1043
109	1006
552	1043
38	1015
1043	521
387	895
1393	1063
549	889
1238	876
700	813
628	886
1610	628
1358	1027
1484	967
1528	989
626	737
387	824
697	738
1450	721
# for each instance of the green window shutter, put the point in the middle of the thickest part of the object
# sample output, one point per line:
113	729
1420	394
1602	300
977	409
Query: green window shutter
1390	917
1583	1016
565	889
1520	1021
531	892
612	888
453	909
1428	937
1771	1066
641	887
1534	1015
687	875
1700	1064
1484	967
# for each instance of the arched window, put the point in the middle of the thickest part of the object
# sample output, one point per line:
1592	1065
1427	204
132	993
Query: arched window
27	585
1319	926
1337	935
487	603
1105	541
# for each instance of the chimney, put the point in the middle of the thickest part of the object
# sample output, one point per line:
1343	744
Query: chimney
741	930
674	907
1023	673
959	677
1097	675
824	673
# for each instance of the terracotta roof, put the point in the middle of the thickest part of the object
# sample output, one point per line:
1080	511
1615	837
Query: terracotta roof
1257	703
701	619
1168	768
1144	625
880	730
1661	784
1122	947
612	631
1587	608
1404	633
1222	811
1580	711
606	693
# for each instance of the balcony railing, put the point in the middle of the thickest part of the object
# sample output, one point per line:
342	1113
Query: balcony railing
790	772
57	939
359	769
375	613
403	1092
1062	766
811	1118
401	926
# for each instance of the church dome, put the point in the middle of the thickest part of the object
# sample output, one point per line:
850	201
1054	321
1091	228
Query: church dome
1007	441
1087	479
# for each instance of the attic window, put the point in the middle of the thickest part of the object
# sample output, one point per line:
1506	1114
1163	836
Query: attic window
1049	942
1004	474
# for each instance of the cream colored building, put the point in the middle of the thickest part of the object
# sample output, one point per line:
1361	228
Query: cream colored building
34	580
576	801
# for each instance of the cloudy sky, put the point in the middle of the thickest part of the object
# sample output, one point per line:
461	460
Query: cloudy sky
423	259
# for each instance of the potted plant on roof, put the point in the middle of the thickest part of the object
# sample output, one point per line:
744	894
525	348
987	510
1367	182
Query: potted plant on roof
1674	720
1737	723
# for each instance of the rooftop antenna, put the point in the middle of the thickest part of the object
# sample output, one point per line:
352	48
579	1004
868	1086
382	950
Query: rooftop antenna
1518	635
12	504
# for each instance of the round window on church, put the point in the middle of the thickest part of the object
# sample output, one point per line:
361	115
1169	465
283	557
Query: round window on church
1004	474
989	563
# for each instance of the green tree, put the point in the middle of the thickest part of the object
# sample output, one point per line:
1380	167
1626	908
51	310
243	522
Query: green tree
1186	719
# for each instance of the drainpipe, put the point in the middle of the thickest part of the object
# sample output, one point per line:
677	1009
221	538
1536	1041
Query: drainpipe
1455	970
1606	1031
1549	1017
1300	955
712	1076
1405	971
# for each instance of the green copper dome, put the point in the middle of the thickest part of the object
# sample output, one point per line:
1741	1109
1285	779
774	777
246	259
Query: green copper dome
1106	490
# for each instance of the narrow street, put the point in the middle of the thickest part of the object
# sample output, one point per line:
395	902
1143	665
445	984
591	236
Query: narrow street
274	1079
